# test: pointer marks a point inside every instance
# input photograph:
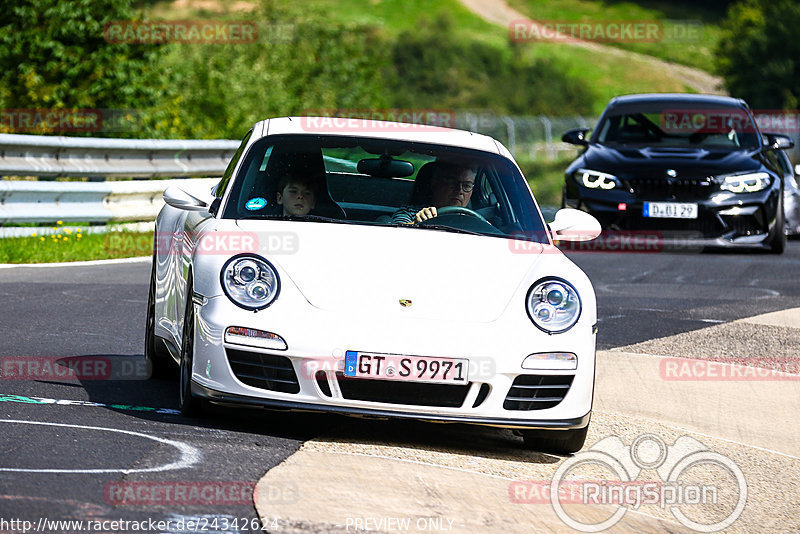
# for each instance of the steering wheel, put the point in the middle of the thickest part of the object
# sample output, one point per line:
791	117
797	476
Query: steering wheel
459	210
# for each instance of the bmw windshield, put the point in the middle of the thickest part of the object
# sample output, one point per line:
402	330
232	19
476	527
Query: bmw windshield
678	124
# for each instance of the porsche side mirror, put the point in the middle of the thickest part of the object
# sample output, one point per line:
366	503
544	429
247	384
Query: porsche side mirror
178	198
574	225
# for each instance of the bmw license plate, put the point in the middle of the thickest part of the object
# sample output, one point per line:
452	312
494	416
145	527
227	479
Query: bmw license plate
408	368
670	210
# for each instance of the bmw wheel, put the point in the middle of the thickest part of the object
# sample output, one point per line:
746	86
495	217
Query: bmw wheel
777	243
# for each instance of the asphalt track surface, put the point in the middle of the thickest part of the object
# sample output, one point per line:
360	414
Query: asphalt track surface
70	471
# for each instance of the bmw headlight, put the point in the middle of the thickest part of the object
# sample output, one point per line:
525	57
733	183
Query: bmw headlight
746	183
553	305
596	179
250	281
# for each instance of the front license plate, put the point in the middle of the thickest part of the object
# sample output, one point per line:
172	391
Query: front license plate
408	368
670	210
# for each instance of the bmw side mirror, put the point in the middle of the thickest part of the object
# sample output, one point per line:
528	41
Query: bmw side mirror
779	141
178	198
576	136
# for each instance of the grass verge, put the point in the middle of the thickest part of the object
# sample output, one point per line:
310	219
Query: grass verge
70	245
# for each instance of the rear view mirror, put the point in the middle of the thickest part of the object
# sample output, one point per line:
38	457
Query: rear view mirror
779	141
574	225
576	136
178	198
386	167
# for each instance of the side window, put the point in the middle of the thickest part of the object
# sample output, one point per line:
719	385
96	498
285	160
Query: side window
226	176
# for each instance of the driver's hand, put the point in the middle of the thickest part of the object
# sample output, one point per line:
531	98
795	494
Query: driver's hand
425	213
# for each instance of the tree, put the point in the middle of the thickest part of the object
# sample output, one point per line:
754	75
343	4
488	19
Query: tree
53	55
759	54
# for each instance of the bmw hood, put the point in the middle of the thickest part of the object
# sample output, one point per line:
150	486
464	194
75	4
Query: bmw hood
408	272
692	162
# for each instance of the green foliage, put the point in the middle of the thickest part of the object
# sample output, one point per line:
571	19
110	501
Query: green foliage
53	56
759	53
438	68
220	91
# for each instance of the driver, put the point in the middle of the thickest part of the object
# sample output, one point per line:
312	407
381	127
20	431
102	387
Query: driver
450	185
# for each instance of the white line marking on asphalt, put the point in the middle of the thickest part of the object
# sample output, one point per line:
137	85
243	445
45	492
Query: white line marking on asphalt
137	259
189	455
674	427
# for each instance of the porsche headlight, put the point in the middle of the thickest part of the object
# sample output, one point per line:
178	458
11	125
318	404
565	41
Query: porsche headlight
250	282
553	305
596	179
746	183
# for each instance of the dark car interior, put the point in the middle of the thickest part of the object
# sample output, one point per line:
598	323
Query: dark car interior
367	181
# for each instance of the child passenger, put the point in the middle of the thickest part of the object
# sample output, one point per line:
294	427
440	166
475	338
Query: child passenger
297	195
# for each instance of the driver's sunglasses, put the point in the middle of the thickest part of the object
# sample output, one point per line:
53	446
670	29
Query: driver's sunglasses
454	183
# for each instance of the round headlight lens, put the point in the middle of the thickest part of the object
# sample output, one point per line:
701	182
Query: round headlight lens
553	305
250	282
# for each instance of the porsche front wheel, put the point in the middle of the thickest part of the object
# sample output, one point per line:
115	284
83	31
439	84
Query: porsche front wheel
190	406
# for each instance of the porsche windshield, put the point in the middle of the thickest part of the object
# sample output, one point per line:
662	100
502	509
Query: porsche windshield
382	182
678	124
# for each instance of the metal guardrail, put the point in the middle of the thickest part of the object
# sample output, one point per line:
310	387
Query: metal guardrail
50	156
122	201
23	201
41	202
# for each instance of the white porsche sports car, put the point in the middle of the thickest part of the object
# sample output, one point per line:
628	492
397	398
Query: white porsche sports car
376	269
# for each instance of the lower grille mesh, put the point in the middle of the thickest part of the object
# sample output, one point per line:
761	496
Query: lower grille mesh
263	371
397	392
537	392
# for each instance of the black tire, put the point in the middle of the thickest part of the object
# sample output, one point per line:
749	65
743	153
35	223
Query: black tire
555	441
156	358
190	406
777	243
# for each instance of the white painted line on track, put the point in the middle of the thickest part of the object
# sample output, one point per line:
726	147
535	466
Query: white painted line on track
137	259
189	455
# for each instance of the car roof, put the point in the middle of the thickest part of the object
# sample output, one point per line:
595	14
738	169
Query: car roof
645	98
379	130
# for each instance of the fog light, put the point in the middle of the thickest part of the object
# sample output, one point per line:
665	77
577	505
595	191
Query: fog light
555	361
254	338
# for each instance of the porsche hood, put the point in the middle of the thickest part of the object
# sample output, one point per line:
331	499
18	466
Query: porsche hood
410	272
